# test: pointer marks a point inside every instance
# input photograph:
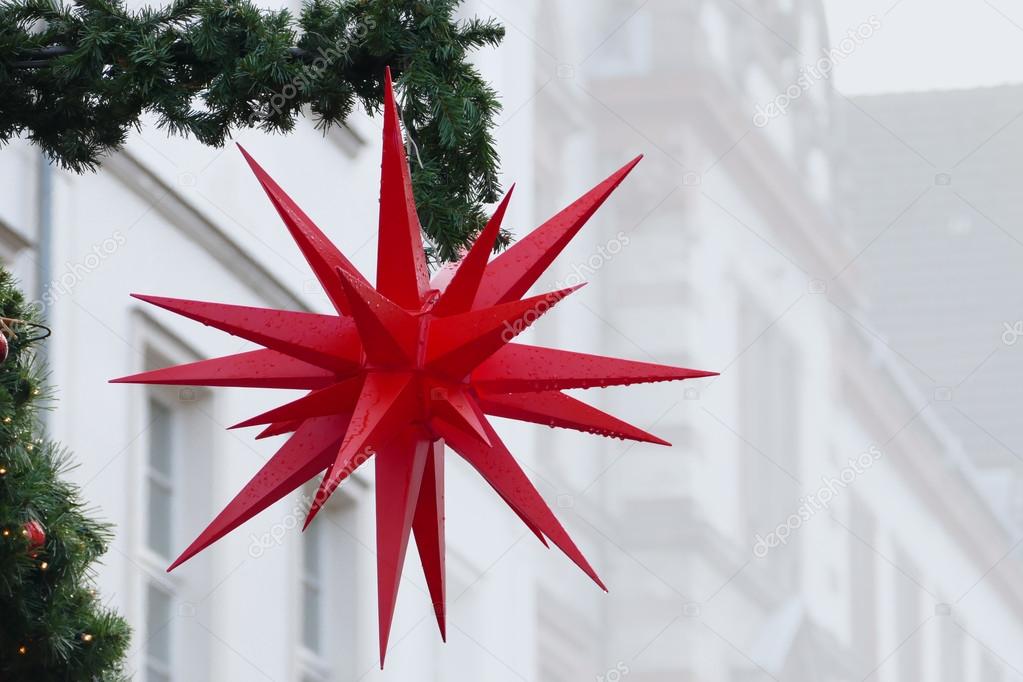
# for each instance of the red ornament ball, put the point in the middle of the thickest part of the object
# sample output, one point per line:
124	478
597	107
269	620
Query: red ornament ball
35	533
4	347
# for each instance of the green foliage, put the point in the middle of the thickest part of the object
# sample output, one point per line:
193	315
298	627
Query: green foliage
75	79
47	604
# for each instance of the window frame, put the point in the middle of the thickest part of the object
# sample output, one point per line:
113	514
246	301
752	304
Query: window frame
157	347
169	481
322	666
152	560
308	581
166	669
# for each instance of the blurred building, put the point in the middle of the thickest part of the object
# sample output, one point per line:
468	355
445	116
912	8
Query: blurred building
820	517
742	256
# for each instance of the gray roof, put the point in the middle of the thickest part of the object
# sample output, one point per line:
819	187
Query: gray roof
932	201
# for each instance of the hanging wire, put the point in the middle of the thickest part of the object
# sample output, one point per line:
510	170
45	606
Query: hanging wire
7	325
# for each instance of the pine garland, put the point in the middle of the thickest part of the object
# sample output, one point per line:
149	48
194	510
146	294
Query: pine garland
76	78
52	625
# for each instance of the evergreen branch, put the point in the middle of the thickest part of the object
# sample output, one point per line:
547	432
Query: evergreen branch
76	78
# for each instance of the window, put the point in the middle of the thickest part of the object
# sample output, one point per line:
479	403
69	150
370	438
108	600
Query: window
629	48
717	32
158	634
173	498
818	175
327	584
160	512
863	585
953	652
769	426
907	620
312	589
160	480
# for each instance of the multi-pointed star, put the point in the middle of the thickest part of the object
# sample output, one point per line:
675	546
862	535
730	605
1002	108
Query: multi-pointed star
403	369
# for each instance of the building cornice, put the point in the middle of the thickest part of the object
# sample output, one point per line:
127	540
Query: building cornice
923	462
135	176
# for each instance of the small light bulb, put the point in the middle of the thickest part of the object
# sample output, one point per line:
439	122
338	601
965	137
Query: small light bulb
7	420
43	566
22	650
3	471
5	532
86	637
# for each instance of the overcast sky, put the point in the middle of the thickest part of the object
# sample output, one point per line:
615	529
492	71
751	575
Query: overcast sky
930	44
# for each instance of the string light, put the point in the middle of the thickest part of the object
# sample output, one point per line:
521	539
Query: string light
5	532
22	649
3	471
43	566
7	420
86	637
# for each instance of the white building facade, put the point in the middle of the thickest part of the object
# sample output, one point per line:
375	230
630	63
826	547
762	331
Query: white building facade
814	520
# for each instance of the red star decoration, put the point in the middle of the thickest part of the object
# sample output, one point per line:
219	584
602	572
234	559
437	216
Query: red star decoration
405	368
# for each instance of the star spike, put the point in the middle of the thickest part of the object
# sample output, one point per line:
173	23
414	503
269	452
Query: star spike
519	368
321	254
526	521
499	468
457	343
456	406
306	453
385	402
399	476
402	275
389	333
279	429
510	275
557	409
322	340
428	528
460	293
335	399
253	369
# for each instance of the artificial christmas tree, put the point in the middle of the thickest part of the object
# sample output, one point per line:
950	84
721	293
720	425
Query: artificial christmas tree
52	625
